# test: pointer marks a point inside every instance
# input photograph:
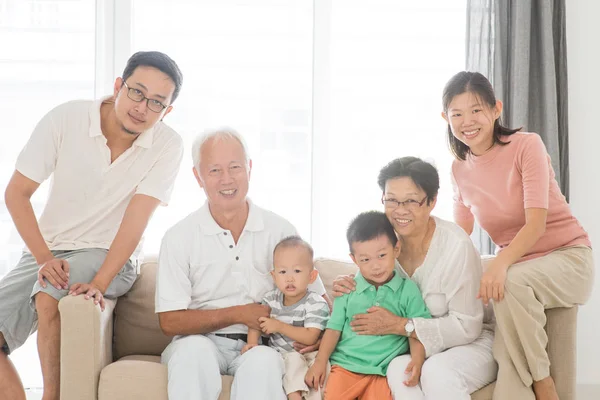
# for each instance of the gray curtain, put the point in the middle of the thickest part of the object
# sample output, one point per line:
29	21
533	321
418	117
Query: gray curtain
520	45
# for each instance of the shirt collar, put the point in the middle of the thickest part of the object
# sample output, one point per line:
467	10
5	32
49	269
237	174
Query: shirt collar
362	284
144	140
254	222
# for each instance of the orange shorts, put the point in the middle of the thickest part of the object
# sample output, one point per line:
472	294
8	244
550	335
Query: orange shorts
345	385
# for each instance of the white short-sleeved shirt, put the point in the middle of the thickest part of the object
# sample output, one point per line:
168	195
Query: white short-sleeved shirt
88	194
449	281
200	267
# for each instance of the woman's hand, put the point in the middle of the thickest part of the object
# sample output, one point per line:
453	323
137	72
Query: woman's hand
492	282
343	284
377	321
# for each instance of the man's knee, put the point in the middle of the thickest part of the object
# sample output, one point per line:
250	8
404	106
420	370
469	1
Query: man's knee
191	349
46	307
264	358
3	345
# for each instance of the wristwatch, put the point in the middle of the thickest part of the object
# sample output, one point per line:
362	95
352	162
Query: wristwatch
409	327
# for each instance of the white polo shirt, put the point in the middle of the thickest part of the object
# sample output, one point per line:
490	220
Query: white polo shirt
200	267
89	194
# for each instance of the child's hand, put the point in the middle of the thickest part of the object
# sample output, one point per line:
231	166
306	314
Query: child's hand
315	377
414	370
269	325
247	347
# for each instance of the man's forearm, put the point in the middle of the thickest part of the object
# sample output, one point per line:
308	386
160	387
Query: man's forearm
192	322
135	220
20	209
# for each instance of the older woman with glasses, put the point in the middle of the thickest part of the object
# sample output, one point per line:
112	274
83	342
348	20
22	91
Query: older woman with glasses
440	257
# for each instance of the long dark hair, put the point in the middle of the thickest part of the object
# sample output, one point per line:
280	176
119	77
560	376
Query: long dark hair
478	84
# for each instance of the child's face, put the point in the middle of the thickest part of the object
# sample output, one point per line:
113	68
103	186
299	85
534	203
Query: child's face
375	259
293	270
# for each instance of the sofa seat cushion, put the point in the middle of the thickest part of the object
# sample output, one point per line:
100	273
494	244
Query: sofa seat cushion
141	377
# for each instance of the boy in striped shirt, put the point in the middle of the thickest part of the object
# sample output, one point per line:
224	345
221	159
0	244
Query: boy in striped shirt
297	314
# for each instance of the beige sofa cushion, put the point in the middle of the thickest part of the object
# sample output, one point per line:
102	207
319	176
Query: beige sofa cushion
136	329
141	377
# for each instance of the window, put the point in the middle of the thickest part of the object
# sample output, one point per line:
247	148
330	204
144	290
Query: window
326	92
47	58
387	64
248	65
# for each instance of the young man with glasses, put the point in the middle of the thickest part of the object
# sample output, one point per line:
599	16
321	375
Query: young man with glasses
113	162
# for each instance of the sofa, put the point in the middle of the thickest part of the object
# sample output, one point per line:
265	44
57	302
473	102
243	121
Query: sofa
115	354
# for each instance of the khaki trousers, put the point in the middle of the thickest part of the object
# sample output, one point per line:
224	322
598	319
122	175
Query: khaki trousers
563	278
296	367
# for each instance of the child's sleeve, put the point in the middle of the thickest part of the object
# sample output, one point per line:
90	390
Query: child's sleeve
414	305
338	316
317	312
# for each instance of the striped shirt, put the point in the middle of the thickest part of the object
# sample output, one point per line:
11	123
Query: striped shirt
311	311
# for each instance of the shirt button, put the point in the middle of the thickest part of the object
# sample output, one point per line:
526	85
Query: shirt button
237	258
377	304
225	233
231	246
372	289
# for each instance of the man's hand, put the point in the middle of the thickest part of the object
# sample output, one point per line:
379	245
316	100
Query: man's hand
492	282
315	377
269	325
247	347
91	291
377	321
55	271
343	284
250	313
414	370
303	349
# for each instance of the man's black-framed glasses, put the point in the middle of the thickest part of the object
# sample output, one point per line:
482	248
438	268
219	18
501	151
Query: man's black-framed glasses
137	96
409	204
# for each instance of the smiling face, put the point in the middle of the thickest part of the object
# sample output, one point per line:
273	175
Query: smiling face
376	259
135	117
224	174
410	218
471	121
293	271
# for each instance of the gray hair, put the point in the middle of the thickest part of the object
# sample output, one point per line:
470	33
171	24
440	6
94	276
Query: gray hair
224	133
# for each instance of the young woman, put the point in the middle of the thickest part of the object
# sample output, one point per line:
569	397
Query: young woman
503	179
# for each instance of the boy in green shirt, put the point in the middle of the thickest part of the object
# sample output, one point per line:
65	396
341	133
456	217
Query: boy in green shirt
359	362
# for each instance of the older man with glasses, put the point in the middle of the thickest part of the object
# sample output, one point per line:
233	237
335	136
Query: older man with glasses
113	162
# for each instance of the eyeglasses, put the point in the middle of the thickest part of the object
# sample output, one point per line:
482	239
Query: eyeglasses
409	204
137	96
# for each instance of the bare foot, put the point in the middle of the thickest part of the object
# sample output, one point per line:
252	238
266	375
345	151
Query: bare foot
545	389
295	396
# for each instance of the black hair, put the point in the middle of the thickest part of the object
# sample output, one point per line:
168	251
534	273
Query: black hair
158	60
368	226
295	241
478	84
422	173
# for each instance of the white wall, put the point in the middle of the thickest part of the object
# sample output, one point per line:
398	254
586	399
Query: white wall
583	33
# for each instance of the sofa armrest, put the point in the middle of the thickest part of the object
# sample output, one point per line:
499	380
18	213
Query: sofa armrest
85	346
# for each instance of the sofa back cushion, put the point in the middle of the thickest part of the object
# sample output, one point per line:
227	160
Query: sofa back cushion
136	328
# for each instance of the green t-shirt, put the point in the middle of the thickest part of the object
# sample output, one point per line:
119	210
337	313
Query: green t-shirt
369	354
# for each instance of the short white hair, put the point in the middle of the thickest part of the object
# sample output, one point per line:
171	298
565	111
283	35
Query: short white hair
223	133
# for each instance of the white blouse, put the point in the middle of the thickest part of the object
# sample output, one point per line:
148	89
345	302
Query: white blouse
449	281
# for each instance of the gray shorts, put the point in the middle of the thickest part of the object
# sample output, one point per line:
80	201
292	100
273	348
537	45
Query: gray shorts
18	316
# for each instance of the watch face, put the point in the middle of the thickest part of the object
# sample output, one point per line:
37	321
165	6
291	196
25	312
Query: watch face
409	327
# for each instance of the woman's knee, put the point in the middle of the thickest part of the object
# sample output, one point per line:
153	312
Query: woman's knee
438	372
